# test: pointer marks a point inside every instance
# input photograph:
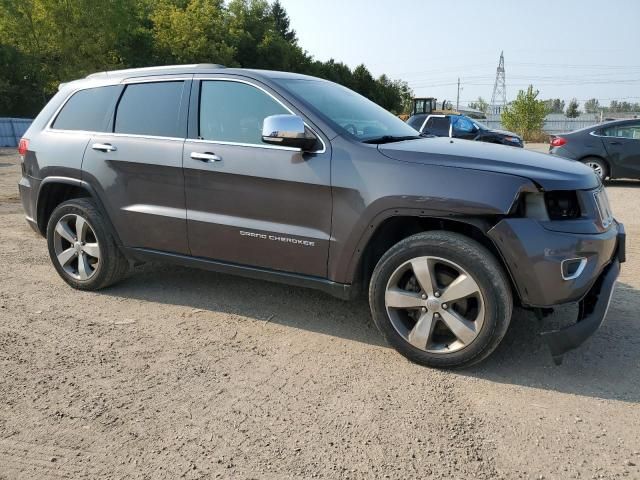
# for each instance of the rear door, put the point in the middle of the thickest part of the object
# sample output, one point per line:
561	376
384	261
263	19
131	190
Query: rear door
622	143
250	203
137	165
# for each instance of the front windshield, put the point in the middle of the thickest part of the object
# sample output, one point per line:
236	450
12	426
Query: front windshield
348	111
480	126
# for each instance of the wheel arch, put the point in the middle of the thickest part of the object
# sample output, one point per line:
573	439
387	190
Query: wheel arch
55	190
396	228
606	162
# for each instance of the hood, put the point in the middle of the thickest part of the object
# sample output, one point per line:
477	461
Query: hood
504	132
551	173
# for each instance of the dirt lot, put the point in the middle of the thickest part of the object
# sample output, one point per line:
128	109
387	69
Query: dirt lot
179	373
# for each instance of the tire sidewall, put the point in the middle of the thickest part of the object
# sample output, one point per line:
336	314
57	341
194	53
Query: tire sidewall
603	165
79	207
474	259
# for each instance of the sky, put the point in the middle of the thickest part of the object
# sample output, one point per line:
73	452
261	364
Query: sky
566	48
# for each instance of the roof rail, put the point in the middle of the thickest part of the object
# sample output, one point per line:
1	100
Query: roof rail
195	66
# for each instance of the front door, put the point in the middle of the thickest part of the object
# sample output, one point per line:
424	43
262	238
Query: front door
250	203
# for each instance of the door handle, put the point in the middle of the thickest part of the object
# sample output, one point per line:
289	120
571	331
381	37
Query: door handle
615	143
206	157
104	147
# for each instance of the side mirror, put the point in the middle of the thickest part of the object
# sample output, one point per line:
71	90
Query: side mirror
287	131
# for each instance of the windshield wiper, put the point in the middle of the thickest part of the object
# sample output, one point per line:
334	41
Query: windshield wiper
390	139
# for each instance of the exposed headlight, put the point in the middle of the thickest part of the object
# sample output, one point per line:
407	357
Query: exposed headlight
512	139
562	204
555	205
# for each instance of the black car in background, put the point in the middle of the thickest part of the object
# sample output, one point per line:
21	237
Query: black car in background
461	126
612	149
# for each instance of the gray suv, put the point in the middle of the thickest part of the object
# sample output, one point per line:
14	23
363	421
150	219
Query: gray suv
294	179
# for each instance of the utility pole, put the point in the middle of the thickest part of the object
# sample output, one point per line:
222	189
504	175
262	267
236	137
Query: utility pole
458	97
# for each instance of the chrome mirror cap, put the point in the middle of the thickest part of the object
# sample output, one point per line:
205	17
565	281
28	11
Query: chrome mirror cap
287	131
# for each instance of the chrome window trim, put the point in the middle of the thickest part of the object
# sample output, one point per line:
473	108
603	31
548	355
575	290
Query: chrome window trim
49	127
238	80
112	134
253	145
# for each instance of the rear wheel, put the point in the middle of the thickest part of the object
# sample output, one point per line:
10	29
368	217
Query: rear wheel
598	165
81	247
441	299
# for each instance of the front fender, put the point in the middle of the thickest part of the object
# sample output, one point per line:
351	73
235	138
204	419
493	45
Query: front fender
369	190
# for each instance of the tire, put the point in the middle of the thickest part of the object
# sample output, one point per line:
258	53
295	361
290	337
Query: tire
480	317
90	260
598	165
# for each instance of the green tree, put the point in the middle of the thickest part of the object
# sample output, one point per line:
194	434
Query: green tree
45	42
554	105
573	109
525	115
194	32
592	105
480	104
282	22
58	41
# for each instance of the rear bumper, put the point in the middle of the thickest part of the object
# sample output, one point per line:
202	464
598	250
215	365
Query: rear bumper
28	186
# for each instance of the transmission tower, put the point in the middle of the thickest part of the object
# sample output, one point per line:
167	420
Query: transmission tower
499	97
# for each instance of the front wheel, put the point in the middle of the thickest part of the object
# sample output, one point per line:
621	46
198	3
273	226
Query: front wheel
441	299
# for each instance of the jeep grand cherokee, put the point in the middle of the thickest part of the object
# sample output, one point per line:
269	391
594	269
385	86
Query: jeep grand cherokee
295	179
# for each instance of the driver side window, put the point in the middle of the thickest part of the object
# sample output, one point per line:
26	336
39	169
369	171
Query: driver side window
234	112
462	124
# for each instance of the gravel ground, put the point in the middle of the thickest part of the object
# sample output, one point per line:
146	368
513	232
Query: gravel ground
179	373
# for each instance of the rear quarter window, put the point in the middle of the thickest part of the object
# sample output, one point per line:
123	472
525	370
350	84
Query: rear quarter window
150	109
87	110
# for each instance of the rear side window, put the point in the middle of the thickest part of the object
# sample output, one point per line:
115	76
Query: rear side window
150	109
631	131
438	125
87	110
234	112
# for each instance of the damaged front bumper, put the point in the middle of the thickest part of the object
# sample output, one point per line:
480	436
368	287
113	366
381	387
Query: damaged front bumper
536	268
592	308
592	311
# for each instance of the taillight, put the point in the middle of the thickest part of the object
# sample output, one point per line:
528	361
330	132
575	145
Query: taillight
23	146
558	142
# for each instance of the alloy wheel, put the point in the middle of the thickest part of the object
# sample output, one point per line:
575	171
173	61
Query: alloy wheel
597	168
434	304
76	247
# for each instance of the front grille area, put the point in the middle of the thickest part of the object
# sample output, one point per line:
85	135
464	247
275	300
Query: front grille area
603	207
